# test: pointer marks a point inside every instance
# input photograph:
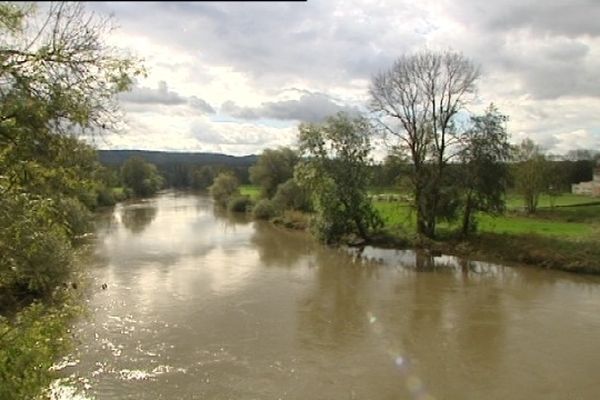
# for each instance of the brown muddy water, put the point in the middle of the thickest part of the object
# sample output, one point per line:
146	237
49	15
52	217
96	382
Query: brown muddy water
201	305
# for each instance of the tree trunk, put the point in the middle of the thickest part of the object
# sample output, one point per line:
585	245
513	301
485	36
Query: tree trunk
466	225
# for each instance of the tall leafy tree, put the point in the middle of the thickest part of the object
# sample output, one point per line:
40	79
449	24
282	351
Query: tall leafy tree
274	167
225	186
141	176
56	82
484	175
334	170
531	173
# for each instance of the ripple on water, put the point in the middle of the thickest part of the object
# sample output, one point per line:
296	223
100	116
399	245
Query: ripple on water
64	389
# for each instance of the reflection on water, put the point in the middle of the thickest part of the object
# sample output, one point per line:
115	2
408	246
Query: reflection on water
137	218
203	304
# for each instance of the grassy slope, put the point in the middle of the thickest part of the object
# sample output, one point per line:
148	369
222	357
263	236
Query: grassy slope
564	237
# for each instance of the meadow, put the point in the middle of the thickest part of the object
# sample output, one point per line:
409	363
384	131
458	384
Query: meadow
563	234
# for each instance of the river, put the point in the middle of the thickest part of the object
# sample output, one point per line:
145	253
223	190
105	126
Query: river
201	305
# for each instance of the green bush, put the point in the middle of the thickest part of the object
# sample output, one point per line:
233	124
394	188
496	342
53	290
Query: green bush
77	216
35	250
264	209
290	196
29	345
239	204
224	187
105	197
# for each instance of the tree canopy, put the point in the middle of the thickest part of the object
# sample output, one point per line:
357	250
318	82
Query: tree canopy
142	177
334	170
484	173
274	167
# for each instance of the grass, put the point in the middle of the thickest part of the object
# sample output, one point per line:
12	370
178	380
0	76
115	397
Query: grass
563	237
518	225
394	214
514	201
573	216
252	191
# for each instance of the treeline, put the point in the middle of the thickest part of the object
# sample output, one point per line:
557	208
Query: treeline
566	171
453	165
393	171
326	178
176	170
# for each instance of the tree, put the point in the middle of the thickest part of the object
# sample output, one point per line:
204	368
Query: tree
290	196
56	83
274	167
416	102
484	174
224	187
531	173
140	176
202	177
333	168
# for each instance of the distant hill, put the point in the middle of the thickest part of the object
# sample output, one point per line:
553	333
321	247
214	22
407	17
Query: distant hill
118	157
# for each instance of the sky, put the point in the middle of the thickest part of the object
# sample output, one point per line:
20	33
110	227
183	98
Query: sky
238	77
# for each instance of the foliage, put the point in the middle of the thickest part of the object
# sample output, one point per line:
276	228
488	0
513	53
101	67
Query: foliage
393	171
290	196
484	175
239	203
202	177
142	177
334	170
26	351
225	186
292	219
35	255
531	173
274	167
416	102
62	75
58	82
264	209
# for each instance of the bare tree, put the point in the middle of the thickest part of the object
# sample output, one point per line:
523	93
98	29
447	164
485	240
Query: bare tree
415	102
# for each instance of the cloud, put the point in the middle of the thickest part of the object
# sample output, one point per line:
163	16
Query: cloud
541	62
163	96
310	107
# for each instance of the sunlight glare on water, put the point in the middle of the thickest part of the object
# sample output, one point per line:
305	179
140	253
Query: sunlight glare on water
203	305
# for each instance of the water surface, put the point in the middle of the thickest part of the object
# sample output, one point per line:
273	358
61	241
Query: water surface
201	305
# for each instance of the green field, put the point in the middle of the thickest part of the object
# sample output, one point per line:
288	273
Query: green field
252	191
573	217
563	237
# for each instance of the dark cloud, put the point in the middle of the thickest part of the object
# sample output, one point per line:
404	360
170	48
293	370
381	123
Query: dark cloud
201	105
322	41
310	107
163	96
571	18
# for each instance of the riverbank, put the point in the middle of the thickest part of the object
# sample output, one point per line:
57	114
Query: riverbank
32	341
512	249
562	237
36	334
